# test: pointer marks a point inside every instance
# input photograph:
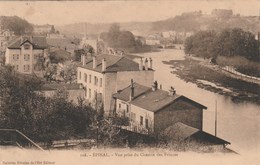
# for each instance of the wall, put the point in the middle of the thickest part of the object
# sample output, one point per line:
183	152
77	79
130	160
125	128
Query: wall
109	90
179	111
138	111
88	85
145	78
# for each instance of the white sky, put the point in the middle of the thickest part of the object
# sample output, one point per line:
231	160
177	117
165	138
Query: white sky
66	12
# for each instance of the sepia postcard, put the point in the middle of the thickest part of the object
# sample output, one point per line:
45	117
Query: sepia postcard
130	82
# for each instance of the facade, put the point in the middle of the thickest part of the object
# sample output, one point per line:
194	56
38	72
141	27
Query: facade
72	91
27	54
104	75
5	37
151	110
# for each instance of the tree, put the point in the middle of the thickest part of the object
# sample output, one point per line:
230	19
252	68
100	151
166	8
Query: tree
69	72
16	24
50	72
52	31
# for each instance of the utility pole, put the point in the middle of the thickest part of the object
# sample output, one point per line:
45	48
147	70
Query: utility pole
216	117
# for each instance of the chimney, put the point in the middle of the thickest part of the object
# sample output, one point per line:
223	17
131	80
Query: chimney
132	90
141	64
151	63
172	91
146	64
94	62
83	59
155	86
104	64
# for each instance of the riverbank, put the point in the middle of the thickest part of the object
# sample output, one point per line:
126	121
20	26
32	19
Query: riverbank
212	79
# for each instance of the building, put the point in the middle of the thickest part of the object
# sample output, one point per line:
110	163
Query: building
5	37
104	75
42	29
198	139
27	54
73	91
151	110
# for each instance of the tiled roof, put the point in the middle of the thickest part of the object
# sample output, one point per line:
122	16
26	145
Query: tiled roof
125	93
180	131
114	63
151	100
55	86
38	42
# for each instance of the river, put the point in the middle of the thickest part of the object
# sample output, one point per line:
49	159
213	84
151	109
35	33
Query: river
238	123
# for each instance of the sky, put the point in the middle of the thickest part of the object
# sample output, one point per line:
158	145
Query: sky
67	12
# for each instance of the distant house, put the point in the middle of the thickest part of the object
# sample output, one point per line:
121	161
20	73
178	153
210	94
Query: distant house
73	91
42	29
5	37
62	43
153	39
104	75
151	110
27	53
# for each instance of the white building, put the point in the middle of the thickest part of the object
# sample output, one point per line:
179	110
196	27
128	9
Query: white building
27	54
104	75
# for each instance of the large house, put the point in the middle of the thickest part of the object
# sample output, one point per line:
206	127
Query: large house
27	53
151	110
104	75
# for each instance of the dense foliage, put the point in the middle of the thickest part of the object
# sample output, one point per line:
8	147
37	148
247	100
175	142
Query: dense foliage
125	40
16	24
229	42
42	119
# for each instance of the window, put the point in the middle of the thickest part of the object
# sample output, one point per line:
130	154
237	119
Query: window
86	77
146	124
89	93
26	68
86	92
133	116
89	78
141	120
127	109
119	105
17	67
15	56
96	81
27	57
100	82
79	75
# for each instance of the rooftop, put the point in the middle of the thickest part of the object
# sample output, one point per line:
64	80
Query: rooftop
55	86
114	63
38	42
180	131
150	100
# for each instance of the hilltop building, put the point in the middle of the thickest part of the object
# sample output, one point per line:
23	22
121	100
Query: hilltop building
104	75
27	54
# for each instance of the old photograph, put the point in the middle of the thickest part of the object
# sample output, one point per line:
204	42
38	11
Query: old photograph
130	81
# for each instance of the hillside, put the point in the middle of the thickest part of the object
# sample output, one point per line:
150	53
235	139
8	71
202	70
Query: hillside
218	20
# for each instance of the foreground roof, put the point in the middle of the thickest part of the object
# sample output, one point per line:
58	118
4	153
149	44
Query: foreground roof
38	42
114	63
180	131
150	100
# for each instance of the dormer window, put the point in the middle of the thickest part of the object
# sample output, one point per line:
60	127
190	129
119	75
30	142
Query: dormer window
27	46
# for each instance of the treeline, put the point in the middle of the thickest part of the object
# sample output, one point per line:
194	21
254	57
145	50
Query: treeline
118	39
16	24
229	43
42	119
